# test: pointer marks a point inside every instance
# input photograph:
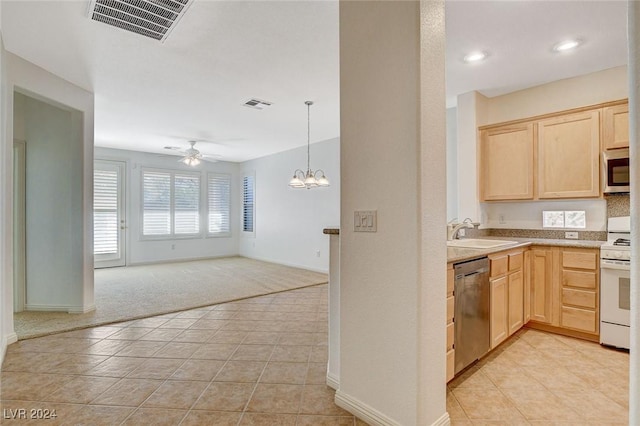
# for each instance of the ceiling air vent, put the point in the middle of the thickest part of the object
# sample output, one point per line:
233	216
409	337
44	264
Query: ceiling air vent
257	104
150	18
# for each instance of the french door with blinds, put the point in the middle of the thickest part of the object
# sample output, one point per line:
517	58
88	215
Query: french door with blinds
108	214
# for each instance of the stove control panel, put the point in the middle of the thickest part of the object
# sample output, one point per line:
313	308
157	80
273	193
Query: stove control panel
615	254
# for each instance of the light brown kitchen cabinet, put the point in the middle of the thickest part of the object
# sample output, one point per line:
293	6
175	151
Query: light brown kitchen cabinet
568	156
450	350
507	294
551	156
516	302
527	287
565	290
615	127
541	284
507	163
499	310
579	297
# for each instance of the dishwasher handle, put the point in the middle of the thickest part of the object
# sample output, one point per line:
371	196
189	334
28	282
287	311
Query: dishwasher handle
476	266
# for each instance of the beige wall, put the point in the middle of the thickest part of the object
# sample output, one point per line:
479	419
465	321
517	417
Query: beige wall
590	89
392	156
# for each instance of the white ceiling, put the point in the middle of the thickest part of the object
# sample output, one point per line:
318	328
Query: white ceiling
150	94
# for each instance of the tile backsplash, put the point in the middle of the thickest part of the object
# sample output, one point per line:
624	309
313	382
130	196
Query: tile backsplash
618	205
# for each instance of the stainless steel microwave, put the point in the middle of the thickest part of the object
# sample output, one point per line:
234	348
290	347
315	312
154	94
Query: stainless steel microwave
615	171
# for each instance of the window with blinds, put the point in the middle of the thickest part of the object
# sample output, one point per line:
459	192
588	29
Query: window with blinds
219	198
186	218
248	203
171	203
105	211
156	194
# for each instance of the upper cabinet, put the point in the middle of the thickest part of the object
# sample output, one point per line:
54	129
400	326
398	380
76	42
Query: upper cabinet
568	156
507	163
615	127
556	156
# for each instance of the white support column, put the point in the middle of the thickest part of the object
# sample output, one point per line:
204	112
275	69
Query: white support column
634	142
392	155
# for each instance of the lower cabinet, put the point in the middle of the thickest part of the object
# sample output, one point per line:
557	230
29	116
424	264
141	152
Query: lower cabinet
551	288
499	310
507	294
516	302
565	290
450	328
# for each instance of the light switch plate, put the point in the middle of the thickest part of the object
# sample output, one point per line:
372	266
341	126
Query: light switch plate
365	221
571	235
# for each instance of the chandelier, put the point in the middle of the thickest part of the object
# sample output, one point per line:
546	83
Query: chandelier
308	179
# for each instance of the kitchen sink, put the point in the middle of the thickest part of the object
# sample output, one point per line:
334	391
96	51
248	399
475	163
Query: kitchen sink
478	243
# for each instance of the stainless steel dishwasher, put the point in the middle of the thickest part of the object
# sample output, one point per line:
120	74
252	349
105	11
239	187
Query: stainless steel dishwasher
472	337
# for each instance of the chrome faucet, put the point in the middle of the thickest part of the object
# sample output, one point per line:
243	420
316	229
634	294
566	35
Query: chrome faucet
453	228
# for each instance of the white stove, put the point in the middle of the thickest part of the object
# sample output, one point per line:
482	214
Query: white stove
615	283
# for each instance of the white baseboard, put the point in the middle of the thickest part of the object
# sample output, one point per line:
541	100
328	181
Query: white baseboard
373	416
58	308
292	265
363	411
444	420
84	310
186	259
6	341
333	381
11	338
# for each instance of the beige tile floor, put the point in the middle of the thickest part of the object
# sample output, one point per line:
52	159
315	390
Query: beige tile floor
261	361
539	378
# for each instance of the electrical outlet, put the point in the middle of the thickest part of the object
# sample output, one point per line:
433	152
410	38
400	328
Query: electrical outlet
317	253
501	219
571	235
173	246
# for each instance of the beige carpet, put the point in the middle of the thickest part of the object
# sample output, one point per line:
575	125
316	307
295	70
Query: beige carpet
133	292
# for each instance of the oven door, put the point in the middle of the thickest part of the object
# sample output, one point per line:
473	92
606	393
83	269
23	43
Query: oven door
615	289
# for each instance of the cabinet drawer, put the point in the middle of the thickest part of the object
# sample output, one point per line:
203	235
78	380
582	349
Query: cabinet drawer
450	336
579	279
579	259
450	364
450	309
579	319
515	261
581	298
450	280
499	266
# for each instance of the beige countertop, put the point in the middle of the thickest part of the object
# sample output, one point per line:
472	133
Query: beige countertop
460	254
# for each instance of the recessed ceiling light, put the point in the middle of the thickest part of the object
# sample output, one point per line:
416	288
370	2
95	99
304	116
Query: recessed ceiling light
475	57
563	46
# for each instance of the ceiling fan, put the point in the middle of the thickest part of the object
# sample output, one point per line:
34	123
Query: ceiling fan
192	156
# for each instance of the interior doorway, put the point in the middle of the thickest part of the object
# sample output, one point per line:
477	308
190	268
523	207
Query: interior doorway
109	227
19	224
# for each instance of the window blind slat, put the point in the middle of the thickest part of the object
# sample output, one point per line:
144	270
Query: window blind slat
156	188
187	204
105	211
219	198
248	203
